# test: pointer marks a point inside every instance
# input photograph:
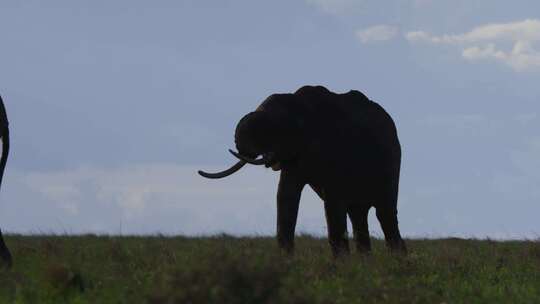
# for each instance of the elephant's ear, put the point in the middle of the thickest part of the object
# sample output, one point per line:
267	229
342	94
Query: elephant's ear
296	122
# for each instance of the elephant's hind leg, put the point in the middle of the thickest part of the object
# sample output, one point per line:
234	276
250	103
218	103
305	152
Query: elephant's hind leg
387	216
359	219
336	220
4	252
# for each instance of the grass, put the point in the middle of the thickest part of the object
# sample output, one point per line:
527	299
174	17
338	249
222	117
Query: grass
224	269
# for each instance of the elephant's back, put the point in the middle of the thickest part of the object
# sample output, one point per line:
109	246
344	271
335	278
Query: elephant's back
354	137
349	120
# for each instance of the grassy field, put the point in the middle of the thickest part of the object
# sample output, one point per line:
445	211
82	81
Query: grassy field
223	269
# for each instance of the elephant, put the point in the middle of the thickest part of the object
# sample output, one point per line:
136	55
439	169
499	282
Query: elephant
5	255
344	146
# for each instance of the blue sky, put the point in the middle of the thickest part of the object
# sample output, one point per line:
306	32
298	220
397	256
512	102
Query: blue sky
114	105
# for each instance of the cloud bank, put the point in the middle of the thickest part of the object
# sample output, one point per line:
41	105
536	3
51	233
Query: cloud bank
172	199
146	198
514	44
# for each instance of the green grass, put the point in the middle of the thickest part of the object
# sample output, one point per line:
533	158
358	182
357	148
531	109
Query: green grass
223	269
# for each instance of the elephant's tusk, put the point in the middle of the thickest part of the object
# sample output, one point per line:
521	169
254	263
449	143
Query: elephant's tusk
260	161
225	173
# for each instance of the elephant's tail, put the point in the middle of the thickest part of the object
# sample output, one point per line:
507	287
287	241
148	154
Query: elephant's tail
5	255
5	153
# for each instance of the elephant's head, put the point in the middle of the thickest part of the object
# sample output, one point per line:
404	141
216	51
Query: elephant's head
258	135
264	138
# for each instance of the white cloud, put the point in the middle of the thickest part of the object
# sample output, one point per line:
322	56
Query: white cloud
490	42
526	30
377	33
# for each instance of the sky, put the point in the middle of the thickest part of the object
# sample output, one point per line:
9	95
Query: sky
114	106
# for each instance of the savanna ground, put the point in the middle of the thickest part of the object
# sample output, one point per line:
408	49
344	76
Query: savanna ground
223	269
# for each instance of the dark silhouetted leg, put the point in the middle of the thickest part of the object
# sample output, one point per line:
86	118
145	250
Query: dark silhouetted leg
387	216
5	255
359	218
336	220
4	252
288	200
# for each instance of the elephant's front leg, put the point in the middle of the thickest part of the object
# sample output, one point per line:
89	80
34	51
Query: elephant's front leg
288	201
336	220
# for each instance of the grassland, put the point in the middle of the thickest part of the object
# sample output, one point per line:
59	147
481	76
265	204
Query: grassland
223	269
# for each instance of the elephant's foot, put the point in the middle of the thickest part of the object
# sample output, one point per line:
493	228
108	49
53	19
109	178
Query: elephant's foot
7	259
286	251
397	247
363	250
286	246
340	249
363	244
5	255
